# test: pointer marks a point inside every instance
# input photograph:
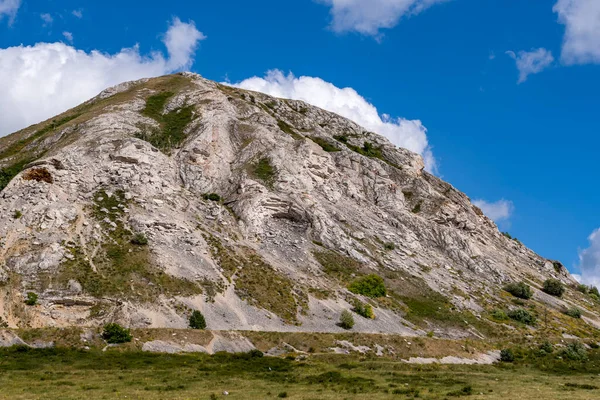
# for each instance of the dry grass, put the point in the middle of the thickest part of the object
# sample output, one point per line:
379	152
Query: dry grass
69	374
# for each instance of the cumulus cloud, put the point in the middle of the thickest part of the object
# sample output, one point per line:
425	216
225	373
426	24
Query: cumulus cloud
410	134
40	81
68	36
498	211
182	40
9	8
77	13
581	43
531	62
369	16
589	261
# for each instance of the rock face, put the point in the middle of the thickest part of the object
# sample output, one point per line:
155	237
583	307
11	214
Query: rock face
257	211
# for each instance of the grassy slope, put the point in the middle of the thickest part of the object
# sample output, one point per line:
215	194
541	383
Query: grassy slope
72	374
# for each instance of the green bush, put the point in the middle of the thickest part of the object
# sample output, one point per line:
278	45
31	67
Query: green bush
255	353
499	315
32	299
139	239
583	289
507	355
346	320
211	197
371	286
520	290
554	287
389	246
547	347
18	214
282	395
522	315
575	352
115	333
197	320
364	310
573	312
594	291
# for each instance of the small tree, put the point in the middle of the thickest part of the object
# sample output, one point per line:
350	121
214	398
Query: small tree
346	320
520	290
197	320
507	355
554	287
115	333
32	299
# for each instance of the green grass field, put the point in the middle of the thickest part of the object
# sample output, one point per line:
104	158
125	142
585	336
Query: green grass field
114	374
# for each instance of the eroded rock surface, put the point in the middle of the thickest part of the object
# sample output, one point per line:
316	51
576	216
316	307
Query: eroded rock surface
306	202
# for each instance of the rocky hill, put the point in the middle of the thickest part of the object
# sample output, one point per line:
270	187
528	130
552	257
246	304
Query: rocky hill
167	195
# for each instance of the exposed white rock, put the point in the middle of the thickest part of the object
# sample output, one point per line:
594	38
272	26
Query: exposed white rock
344	201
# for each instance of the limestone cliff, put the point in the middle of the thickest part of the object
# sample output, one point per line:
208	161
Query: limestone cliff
177	193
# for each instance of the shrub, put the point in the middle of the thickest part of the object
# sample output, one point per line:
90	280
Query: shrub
17	214
32	299
594	291
522	315
115	333
255	353
500	315
547	347
507	355
583	289
140	239
197	320
573	312
371	286
364	310
346	320
554	287
282	395
389	246
465	391
574	351
39	175
520	290
211	197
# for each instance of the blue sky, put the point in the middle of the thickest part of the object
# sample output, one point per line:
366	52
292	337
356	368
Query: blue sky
532	143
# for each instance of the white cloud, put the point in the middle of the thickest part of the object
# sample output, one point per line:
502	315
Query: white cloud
47	18
410	134
531	62
68	36
182	40
589	261
369	16
40	81
581	43
9	8
78	13
498	211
